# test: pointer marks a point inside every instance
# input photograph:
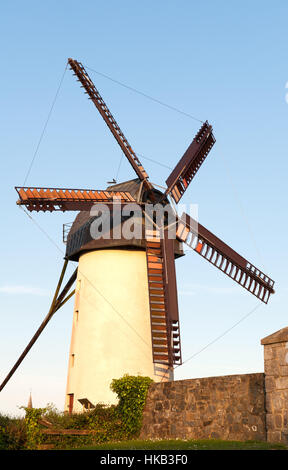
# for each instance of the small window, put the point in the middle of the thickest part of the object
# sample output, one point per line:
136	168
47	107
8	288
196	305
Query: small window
70	402
72	360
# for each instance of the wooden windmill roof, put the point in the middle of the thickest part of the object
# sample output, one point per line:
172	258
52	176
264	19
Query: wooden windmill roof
131	186
79	239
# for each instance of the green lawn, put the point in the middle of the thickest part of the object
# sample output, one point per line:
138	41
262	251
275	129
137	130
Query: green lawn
209	444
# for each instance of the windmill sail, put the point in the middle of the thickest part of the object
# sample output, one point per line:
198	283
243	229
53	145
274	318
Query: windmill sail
98	101
163	300
53	199
224	258
190	163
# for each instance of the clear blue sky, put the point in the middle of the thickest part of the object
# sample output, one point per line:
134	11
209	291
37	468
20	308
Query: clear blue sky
221	61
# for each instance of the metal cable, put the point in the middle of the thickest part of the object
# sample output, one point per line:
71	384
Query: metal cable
154	161
45	125
220	336
117	174
145	95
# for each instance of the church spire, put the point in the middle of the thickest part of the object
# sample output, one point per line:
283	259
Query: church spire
30	401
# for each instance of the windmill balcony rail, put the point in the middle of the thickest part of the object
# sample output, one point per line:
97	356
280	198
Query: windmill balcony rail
65	231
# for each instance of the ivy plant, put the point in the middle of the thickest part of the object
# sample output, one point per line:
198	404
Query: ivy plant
33	429
131	391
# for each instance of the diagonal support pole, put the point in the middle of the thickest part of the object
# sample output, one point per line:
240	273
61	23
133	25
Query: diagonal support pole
57	303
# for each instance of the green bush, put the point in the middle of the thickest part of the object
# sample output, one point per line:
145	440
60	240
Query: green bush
131	391
107	423
64	420
12	433
99	416
33	429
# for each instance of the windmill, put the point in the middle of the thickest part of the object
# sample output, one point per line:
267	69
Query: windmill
129	279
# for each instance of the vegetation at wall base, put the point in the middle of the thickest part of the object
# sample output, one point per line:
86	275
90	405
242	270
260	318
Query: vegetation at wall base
100	424
179	444
12	433
34	435
13	436
132	392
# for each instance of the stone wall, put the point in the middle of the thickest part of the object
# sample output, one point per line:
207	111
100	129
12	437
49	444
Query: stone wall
230	407
276	385
235	407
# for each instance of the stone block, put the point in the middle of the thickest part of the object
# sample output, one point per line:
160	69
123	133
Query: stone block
271	367
211	409
281	383
268	353
278	402
268	402
191	416
274	436
166	405
283	372
282	354
278	421
159	406
270	421
270	384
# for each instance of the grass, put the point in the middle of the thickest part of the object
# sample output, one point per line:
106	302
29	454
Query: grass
208	444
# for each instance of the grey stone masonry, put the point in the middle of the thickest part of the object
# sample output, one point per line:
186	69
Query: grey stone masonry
227	407
238	407
276	385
